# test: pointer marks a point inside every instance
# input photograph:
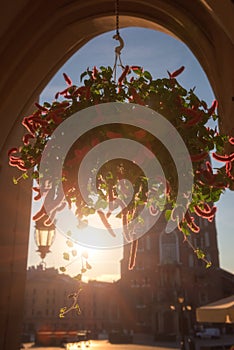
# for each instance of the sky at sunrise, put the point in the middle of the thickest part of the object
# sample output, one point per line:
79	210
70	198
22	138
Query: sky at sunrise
157	53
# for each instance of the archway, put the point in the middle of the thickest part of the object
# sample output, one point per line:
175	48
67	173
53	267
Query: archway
37	38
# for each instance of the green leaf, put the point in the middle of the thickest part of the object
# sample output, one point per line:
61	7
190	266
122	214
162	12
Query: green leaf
101	204
138	71
66	256
83	75
168	214
78	277
74	252
15	181
78	310
147	75
63	309
35	175
200	254
82	224
69	243
25	176
88	266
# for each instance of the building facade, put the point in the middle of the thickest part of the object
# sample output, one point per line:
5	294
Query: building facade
145	299
47	291
167	269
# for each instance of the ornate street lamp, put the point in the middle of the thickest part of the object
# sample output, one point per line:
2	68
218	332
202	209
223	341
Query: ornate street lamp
181	308
44	237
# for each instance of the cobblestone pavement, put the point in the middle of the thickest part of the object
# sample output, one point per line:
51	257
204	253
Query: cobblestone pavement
99	345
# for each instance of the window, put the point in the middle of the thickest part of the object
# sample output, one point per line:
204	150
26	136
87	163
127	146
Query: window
169	248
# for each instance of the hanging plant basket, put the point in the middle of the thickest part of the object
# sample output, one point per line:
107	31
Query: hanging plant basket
183	109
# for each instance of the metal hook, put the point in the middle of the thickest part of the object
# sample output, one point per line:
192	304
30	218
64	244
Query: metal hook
118	48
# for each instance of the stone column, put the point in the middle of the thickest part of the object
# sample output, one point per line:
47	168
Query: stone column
15	207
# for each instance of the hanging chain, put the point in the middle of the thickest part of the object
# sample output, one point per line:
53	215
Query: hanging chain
117	16
121	42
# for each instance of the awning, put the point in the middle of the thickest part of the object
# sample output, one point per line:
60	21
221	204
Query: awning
221	311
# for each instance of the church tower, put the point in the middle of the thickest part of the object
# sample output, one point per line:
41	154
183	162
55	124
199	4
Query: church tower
167	268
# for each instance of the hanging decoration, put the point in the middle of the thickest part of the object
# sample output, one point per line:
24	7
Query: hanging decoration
183	109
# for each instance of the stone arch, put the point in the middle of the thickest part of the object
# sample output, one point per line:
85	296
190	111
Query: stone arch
36	39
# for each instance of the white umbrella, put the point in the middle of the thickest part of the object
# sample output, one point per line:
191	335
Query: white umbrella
221	311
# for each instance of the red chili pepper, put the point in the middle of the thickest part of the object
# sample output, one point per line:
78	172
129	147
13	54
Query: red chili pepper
123	75
135	68
197	117
39	214
153	211
28	126
136	96
17	163
199	157
106	223
80	91
213	107
94	73
225	158
209	167
231	140
132	258
176	72
205	213
41	108
87	95
55	117
194	227
67	79
26	138
191	224
38	195
12	150
210	178
63	105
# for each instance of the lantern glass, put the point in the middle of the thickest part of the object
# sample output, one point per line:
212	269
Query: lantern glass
44	237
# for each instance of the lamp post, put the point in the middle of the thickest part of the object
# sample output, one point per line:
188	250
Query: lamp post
44	237
181	321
